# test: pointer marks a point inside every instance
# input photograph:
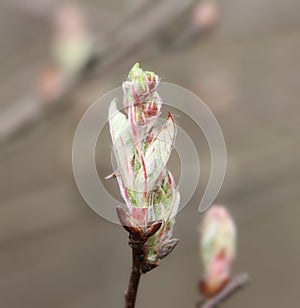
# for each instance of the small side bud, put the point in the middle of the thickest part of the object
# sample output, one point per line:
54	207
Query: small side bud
167	248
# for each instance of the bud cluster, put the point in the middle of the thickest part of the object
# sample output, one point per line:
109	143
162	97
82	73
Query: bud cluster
142	147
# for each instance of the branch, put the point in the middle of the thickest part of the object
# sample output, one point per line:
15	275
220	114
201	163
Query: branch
234	285
136	270
119	42
137	239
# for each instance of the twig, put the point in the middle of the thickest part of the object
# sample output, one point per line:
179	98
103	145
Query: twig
137	240
136	271
234	285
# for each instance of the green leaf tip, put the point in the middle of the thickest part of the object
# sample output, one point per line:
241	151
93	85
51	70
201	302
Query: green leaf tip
137	74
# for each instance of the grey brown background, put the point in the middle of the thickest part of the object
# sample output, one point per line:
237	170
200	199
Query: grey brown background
56	252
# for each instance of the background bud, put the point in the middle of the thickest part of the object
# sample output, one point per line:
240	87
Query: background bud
72	43
217	249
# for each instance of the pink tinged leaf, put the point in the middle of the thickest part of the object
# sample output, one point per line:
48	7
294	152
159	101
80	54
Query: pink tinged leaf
140	215
171	179
167	233
157	154
125	219
160	233
122	143
159	103
132	123
151	120
145	174
136	97
130	225
175	205
124	193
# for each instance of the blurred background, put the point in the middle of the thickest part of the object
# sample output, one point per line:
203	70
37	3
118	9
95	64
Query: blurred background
240	57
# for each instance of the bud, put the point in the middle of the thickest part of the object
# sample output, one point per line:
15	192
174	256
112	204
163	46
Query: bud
142	147
217	249
73	43
141	100
206	14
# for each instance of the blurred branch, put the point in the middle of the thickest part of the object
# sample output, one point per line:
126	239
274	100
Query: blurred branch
234	285
148	22
122	38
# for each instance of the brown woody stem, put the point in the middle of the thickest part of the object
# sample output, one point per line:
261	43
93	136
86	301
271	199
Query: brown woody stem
136	271
137	238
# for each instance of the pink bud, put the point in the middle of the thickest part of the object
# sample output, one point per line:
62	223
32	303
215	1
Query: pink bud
206	15
217	248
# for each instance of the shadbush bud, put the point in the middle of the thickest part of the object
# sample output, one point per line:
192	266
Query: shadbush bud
142	147
217	249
